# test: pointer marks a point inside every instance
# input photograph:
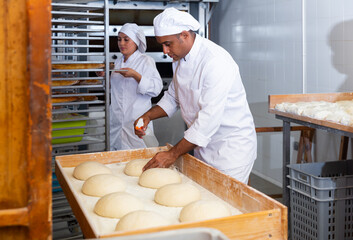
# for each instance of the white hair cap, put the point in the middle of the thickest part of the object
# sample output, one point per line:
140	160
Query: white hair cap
136	35
172	21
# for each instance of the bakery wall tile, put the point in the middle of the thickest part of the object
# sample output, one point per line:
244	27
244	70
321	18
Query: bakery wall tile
347	9
337	8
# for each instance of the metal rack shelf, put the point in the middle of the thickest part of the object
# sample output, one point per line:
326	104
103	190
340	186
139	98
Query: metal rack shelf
75	22
78	86
77	70
75	15
75	38
77	104
78	46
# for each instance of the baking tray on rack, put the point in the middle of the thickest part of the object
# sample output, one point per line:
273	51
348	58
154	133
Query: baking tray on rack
292	98
262	217
69	66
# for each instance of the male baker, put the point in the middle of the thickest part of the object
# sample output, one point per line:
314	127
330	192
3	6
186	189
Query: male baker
207	88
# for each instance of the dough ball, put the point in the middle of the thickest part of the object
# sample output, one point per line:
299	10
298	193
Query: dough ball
116	205
203	210
88	169
102	184
141	219
134	167
177	195
158	177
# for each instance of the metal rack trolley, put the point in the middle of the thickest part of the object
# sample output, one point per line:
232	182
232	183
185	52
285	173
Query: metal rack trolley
79	96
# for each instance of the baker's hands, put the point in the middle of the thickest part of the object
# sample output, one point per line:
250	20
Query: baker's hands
129	72
166	159
140	131
161	160
126	72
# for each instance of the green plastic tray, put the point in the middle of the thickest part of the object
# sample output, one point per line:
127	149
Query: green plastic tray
68	132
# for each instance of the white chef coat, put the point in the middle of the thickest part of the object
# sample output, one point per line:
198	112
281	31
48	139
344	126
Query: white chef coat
207	88
130	99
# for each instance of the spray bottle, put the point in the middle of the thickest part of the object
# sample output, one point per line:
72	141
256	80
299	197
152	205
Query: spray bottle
149	139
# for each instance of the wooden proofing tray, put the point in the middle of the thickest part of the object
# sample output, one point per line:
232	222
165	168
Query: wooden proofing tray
292	98
263	218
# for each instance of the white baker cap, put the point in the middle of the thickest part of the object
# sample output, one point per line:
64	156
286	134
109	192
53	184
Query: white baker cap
136	35
172	21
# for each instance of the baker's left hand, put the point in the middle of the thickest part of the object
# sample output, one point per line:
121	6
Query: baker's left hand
160	160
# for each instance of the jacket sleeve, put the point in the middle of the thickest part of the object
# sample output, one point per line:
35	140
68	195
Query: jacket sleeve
151	83
169	102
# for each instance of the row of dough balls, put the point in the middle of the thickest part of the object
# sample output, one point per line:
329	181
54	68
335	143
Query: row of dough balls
115	203
338	112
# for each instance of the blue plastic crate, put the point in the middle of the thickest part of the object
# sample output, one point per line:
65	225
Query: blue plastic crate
321	200
55	184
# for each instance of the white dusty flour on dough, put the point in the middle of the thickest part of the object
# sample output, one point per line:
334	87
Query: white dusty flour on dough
340	112
102	226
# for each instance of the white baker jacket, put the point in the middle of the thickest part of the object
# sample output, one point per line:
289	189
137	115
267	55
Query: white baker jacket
207	88
130	99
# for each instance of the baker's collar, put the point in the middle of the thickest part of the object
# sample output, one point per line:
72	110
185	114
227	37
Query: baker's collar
194	49
133	56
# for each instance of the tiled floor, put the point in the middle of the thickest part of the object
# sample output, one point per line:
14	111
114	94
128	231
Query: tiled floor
266	187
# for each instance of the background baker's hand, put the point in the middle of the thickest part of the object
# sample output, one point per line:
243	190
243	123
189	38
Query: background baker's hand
161	160
100	74
127	72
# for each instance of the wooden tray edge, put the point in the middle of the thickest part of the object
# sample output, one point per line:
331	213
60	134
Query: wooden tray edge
279	222
234	227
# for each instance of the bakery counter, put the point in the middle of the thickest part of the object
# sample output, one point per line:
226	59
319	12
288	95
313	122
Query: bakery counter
254	215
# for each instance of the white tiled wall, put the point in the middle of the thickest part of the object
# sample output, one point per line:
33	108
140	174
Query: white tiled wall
328	38
265	37
329	42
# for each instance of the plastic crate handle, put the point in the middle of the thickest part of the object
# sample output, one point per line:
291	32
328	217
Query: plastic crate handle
303	178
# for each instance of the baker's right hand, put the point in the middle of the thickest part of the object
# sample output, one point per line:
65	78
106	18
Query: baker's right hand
161	160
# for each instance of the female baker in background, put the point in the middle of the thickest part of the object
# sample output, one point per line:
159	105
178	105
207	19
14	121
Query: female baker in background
133	84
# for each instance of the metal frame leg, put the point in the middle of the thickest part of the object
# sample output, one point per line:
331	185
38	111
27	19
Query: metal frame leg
286	161
285	170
